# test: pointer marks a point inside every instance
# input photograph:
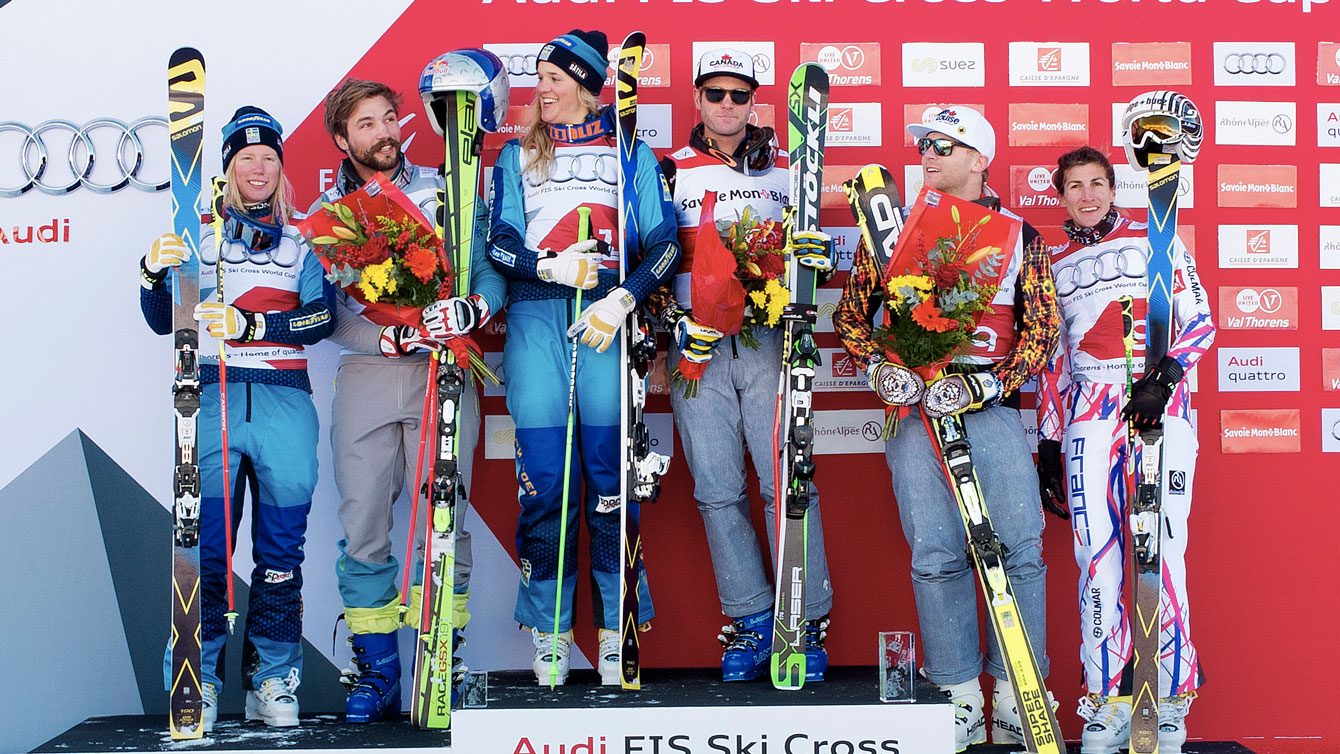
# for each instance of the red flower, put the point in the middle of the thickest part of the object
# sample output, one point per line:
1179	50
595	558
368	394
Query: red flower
375	251
947	275
771	265
927	314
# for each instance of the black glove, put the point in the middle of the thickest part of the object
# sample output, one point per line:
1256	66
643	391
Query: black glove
1051	480
1150	394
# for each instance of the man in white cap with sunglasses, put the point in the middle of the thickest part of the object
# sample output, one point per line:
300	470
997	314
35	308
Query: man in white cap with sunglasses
957	145
731	405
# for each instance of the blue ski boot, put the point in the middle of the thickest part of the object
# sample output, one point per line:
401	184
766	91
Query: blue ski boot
377	689
748	643
816	657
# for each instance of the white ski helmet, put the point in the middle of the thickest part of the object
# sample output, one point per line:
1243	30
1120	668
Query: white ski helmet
466	70
1161	122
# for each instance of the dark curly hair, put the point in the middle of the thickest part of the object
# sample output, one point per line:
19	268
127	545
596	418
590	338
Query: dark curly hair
1085	155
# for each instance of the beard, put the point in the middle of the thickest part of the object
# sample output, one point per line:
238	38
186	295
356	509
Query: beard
369	158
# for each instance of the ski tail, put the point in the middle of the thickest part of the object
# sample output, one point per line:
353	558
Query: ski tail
807	125
632	385
186	123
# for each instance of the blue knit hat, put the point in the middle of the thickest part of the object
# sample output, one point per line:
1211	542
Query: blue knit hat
583	55
251	125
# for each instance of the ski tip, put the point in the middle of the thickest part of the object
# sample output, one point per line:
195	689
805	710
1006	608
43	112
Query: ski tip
635	39
183	54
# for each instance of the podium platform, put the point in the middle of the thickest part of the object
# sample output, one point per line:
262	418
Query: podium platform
681	711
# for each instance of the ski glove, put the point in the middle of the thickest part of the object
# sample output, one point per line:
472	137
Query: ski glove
695	341
895	384
455	316
813	249
956	393
574	266
1150	394
1050	479
168	250
229	322
403	340
601	321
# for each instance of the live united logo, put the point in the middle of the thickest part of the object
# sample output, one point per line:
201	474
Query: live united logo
722	743
57	231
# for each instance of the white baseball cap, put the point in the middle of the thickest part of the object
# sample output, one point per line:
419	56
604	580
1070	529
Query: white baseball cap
963	124
725	61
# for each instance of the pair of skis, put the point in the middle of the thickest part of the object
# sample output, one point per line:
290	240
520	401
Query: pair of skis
807	124
876	205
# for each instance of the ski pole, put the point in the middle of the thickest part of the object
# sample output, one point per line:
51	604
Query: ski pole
216	221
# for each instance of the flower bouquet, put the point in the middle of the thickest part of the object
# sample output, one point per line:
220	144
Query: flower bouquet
735	262
378	247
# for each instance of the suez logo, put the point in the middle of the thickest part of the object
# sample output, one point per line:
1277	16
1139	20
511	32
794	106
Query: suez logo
1151	64
1256	123
1328	63
1254	64
1133	186
1258	186
1048	125
1258	308
856	124
56	231
848	64
654	71
1049	63
1260	431
762	53
944	64
1258	246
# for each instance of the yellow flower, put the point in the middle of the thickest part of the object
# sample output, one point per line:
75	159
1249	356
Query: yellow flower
377	279
777	299
920	282
370	291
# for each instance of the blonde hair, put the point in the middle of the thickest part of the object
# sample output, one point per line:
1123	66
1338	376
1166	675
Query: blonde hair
540	145
281	201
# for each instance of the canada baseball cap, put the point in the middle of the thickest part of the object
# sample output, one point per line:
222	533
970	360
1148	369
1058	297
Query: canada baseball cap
726	61
962	124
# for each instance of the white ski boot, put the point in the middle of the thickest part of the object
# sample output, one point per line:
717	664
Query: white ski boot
210	696
969	722
550	652
1006	727
610	671
1108	724
1172	722
275	702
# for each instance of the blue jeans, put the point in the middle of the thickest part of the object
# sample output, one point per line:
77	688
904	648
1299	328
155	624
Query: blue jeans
942	574
735	408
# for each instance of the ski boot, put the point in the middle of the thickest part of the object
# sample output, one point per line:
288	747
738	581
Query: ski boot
275	702
1172	722
969	722
210	696
458	668
376	690
816	657
1006	727
611	673
1108	724
549	652
748	647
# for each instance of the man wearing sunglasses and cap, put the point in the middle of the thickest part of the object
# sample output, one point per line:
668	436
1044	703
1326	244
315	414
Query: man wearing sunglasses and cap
737	392
957	145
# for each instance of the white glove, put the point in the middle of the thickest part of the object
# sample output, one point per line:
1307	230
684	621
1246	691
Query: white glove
455	316
168	250
957	393
895	384
574	266
813	249
228	322
696	342
402	340
602	320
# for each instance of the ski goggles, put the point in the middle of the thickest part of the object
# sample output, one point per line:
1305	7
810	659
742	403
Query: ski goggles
942	147
716	94
1161	129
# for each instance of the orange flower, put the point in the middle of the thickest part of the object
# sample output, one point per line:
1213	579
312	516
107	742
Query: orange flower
421	261
927	314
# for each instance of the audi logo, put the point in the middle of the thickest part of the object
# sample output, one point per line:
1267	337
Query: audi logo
521	65
99	141
1106	266
283	254
585	167
1255	62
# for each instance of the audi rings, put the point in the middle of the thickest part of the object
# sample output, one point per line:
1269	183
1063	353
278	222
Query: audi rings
585	167
83	155
521	65
1255	62
1108	265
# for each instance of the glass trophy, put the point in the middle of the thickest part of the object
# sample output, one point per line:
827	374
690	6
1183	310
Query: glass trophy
475	690
897	666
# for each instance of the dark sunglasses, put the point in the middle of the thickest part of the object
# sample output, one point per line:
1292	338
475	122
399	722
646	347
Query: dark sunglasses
943	147
716	94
